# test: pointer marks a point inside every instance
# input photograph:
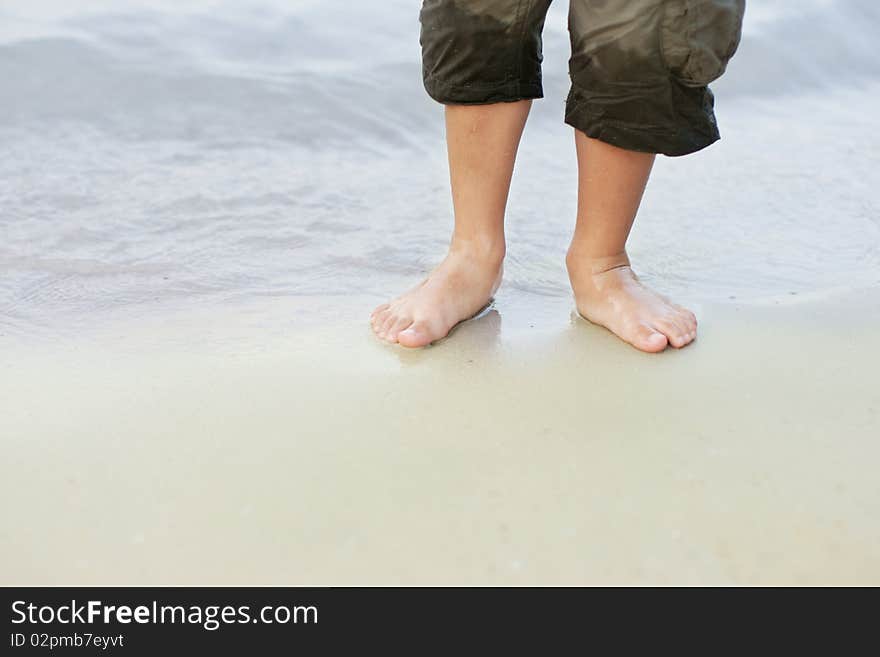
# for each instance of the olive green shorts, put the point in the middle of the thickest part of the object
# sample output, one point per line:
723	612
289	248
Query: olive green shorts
639	68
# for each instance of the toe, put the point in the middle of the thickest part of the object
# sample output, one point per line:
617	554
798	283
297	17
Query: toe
378	320
416	335
387	323
396	327
691	328
674	330
374	324
649	339
689	320
380	309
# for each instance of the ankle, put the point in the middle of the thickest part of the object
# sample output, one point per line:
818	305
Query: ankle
582	261
487	250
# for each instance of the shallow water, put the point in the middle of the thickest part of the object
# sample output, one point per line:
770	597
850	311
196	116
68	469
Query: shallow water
166	154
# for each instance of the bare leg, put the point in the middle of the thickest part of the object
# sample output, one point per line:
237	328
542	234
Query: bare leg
482	141
611	182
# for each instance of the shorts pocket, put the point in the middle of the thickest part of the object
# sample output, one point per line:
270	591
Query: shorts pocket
698	38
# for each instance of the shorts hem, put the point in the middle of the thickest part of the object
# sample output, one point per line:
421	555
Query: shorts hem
674	139
482	94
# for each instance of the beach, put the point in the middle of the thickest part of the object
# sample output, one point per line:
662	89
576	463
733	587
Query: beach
201	203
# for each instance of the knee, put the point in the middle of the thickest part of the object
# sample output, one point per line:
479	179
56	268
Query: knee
640	71
690	41
614	43
699	37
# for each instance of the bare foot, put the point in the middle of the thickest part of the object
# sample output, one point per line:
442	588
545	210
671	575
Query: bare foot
455	291
608	292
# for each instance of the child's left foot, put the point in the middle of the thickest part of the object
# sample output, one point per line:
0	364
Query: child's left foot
607	292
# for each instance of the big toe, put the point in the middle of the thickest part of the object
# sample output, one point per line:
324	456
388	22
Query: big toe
417	335
649	339
396	327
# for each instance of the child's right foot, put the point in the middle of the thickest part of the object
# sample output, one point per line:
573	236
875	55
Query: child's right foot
455	291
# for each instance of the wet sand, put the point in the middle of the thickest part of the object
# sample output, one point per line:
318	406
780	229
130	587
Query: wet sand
530	448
